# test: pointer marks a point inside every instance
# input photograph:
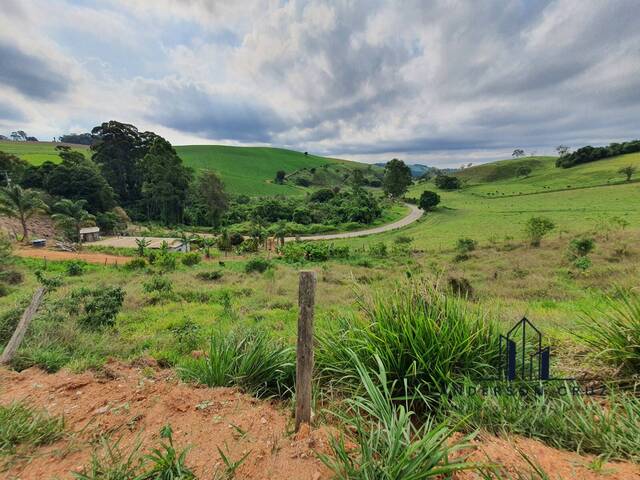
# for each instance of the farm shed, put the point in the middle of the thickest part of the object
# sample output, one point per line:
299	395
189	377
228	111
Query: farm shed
90	234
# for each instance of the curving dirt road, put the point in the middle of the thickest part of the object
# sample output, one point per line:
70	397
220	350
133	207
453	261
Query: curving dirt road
414	214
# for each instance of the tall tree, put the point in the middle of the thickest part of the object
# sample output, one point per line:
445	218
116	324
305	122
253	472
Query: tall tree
76	178
211	195
21	204
12	169
165	183
118	149
397	178
71	216
628	171
518	152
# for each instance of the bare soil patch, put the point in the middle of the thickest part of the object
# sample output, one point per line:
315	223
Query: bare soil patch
57	255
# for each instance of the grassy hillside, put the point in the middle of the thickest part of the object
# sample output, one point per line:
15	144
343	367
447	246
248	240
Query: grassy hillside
251	170
585	198
37	153
499	178
244	170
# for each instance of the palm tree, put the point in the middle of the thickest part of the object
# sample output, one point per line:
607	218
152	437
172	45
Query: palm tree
16	202
72	216
142	244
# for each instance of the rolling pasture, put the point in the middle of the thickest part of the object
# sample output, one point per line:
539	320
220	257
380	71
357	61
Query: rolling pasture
596	197
244	170
37	153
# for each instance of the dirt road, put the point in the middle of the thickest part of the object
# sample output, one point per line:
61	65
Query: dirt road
414	214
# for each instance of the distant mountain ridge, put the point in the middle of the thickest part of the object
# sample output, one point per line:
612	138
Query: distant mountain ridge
418	169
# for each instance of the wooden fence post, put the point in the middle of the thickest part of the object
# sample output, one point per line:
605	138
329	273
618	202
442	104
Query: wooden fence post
16	339
304	351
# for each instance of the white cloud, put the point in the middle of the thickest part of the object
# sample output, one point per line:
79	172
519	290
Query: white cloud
439	81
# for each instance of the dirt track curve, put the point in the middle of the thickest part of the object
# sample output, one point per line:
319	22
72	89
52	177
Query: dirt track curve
414	214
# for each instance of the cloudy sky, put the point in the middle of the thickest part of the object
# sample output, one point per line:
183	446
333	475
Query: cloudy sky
438	82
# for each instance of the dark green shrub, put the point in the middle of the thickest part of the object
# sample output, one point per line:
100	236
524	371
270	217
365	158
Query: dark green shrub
257	264
210	276
312	251
403	239
97	307
466	245
581	247
428	200
75	268
4	290
191	259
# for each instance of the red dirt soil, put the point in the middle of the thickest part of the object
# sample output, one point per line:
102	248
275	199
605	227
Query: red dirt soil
57	255
134	401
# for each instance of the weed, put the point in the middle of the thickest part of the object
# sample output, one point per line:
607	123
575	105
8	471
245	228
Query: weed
22	425
230	466
249	360
613	330
389	445
570	422
75	268
136	264
423	336
159	284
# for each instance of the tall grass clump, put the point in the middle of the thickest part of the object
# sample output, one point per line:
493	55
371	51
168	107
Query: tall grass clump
613	331
389	445
570	422
422	336
250	360
22	425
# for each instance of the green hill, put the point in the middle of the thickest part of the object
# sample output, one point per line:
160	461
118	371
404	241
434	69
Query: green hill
500	178
244	170
494	204
37	153
251	170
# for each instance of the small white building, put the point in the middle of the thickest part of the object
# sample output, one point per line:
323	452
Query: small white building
90	234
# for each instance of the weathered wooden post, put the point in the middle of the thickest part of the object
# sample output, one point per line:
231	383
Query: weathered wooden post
16	339
304	351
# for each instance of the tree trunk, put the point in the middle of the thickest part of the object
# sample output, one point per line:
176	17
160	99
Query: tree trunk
18	335
25	230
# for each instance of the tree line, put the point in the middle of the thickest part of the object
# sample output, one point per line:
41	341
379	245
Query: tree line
591	154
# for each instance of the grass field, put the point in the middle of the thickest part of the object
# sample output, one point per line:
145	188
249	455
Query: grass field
244	170
36	153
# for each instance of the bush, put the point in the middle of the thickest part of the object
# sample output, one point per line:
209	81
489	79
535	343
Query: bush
466	245
75	268
4	290
614	331
137	263
191	259
166	262
257	264
460	286
312	251
210	276
403	240
582	263
250	360
21	424
159	284
581	247
428	200
536	228
447	182
98	307
422	336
